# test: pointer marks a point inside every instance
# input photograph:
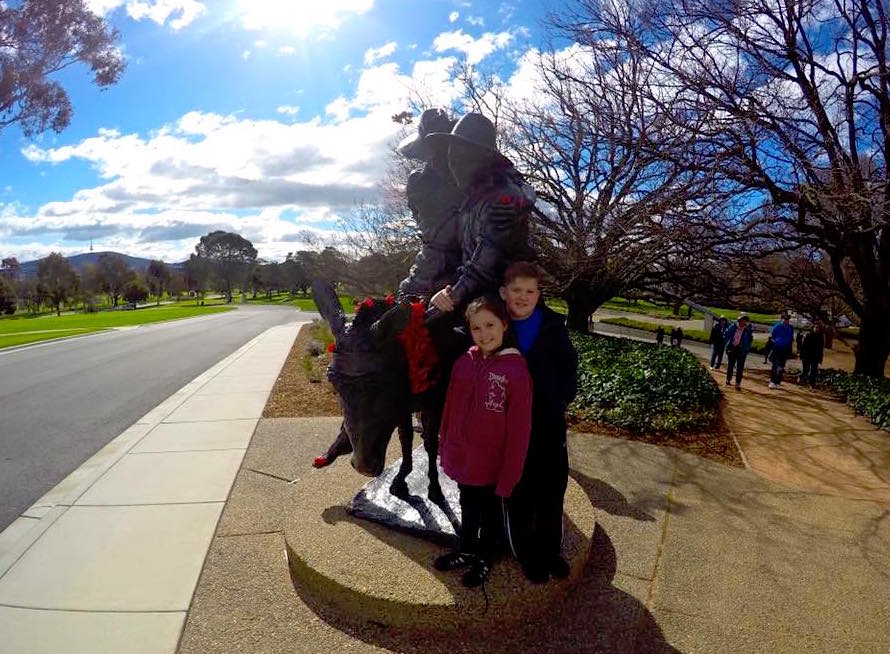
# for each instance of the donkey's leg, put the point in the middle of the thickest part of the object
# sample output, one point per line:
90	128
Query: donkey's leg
399	487
431	421
339	447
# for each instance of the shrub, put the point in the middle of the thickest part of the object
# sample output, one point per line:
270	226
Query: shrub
869	396
642	387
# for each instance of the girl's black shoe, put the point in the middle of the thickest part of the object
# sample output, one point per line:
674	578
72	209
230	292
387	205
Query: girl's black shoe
452	561
536	573
559	567
477	574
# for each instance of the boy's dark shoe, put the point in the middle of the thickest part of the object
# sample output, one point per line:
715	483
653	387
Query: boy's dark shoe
559	568
477	574
536	573
452	561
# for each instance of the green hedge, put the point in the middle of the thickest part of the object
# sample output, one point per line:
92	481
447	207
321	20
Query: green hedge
642	387
869	396
697	335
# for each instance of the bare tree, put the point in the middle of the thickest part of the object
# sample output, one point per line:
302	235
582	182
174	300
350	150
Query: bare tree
612	213
788	103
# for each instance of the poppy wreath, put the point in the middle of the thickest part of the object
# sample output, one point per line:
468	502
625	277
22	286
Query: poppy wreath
419	350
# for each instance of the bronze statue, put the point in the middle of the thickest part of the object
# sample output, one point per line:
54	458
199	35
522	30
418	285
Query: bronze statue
434	199
493	215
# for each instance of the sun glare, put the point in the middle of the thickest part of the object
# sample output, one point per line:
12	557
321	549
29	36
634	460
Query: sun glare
302	17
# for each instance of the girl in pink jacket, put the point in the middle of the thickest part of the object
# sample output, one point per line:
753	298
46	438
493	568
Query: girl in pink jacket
484	436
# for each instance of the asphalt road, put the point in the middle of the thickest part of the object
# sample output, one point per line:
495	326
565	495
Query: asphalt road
61	402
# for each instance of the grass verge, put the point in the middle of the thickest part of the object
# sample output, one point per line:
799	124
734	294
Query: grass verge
302	301
21	330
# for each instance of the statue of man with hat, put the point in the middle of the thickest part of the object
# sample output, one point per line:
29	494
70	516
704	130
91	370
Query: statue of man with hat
434	199
493	215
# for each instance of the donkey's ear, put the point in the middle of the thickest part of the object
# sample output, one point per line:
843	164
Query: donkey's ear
391	323
329	306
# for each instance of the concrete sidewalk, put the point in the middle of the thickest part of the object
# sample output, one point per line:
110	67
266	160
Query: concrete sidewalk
145	550
108	560
688	556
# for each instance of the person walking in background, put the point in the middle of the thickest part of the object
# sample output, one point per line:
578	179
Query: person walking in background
659	335
767	349
799	340
783	338
717	344
812	349
738	337
676	337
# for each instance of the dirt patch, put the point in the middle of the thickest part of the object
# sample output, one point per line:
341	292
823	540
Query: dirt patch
294	394
716	445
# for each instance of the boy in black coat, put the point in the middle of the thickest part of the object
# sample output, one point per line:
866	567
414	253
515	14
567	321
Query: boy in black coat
534	525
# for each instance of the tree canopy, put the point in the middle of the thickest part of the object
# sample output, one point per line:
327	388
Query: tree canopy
39	38
231	254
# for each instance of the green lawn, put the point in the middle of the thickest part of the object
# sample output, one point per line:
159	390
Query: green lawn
303	302
19	330
646	308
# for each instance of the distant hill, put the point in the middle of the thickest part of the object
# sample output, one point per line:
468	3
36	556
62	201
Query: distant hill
78	261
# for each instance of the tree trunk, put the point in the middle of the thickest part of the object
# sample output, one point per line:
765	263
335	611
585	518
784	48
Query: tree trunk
583	298
874	345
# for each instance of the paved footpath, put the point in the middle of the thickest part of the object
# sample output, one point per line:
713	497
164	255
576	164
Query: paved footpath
806	439
146	550
108	560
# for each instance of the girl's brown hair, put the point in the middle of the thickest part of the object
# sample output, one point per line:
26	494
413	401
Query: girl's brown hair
488	303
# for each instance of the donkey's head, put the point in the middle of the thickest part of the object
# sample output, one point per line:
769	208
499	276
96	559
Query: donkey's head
369	373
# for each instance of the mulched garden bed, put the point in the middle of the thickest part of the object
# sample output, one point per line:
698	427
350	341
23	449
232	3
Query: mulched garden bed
294	395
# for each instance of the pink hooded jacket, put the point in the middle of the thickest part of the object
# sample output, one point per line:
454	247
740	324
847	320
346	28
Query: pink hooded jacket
487	419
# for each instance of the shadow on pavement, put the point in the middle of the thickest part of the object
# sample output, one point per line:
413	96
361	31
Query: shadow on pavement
594	616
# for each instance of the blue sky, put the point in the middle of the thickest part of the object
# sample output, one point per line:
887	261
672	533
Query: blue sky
266	117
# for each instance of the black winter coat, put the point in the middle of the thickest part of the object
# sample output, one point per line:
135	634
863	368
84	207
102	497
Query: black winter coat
553	364
812	347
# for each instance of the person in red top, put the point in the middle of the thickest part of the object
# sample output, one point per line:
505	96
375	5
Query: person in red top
484	436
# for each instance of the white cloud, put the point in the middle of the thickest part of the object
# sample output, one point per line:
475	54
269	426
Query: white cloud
179	13
160	190
318	17
375	54
245	54
475	49
453	16
478	21
176	13
287	50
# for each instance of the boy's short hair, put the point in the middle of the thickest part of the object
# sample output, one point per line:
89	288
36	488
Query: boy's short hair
524	269
488	303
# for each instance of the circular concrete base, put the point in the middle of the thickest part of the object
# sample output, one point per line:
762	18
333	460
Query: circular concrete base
360	572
